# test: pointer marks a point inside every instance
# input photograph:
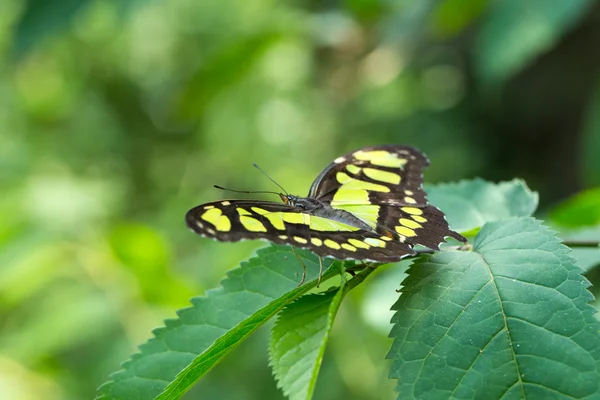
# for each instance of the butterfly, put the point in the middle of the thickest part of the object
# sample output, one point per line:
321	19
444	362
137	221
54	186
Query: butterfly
367	205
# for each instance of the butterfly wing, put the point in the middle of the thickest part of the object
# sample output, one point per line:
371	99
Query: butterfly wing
388	174
234	220
382	185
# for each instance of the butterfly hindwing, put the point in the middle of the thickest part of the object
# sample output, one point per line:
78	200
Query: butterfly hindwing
424	226
375	175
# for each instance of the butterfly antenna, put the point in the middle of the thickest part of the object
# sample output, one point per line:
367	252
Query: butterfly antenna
271	179
244	191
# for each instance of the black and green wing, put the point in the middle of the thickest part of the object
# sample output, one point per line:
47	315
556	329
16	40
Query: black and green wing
235	220
382	186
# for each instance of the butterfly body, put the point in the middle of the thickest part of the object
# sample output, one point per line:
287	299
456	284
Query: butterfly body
367	205
322	209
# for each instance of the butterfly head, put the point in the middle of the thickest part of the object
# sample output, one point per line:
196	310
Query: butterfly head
288	199
301	203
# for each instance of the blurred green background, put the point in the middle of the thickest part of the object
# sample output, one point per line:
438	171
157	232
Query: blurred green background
116	117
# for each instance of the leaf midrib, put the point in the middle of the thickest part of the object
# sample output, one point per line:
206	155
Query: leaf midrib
505	321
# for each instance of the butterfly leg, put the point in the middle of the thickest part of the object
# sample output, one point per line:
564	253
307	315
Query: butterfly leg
320	271
303	267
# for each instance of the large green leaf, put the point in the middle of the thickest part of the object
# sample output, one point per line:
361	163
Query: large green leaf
298	341
470	204
509	320
189	346
515	32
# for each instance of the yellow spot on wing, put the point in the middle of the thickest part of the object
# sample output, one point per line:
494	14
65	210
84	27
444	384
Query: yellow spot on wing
374	242
212	215
331	244
412	210
342	178
343	196
356	192
225	203
223	224
316	241
410	200
339	160
355	184
324	224
251	224
295	218
348	247
410	223
418	218
366	213
283	237
242	211
209	207
404	231
276	219
358	243
408	192
353	169
381	158
300	239
259	210
382	176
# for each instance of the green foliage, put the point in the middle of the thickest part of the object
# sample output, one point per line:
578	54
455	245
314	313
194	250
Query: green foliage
453	16
509	319
118	116
580	210
470	204
189	346
42	19
588	256
515	32
298	341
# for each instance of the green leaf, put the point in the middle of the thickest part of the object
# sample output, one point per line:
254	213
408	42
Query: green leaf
580	210
515	32
298	341
511	319
468	205
189	346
